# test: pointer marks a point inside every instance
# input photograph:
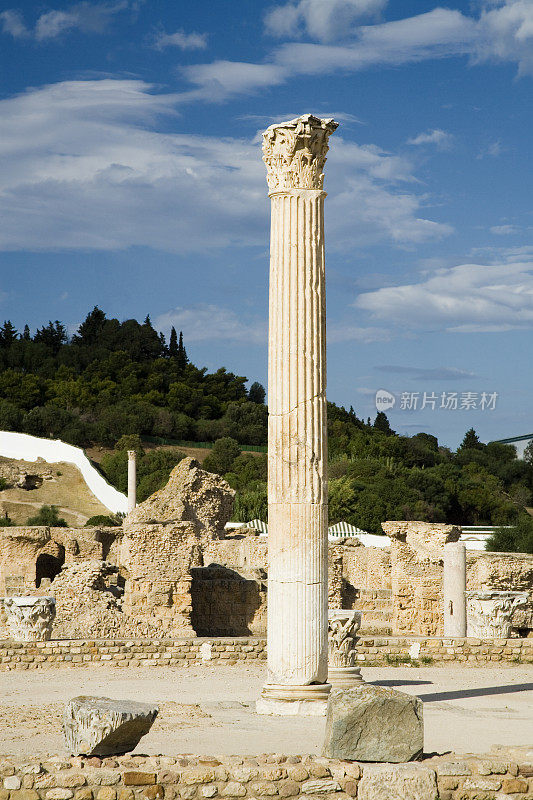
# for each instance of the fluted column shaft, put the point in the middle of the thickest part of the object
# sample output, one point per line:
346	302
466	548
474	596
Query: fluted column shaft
297	444
132	480
297	645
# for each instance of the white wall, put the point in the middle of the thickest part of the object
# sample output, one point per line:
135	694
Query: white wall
30	448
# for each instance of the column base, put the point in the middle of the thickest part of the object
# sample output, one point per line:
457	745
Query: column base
344	677
286	700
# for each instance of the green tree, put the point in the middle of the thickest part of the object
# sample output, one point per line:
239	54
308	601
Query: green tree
53	335
256	393
222	456
471	441
251	504
173	349
49	516
528	453
90	329
181	355
8	334
104	520
131	441
517	539
381	423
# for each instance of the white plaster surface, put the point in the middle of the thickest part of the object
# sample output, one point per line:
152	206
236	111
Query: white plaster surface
29	448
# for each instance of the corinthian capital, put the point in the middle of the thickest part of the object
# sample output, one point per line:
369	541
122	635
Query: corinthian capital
295	152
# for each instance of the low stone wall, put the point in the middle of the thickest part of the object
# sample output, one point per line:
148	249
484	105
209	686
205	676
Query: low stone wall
189	778
372	651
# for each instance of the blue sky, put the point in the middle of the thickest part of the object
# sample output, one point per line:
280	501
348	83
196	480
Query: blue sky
131	177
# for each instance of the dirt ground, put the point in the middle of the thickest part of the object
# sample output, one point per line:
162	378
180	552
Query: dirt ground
68	491
210	710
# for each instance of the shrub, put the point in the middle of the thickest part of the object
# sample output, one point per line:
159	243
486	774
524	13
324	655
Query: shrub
48	515
102	519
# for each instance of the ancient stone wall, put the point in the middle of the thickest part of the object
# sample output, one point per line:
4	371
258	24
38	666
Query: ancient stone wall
505	773
29	554
371	651
226	603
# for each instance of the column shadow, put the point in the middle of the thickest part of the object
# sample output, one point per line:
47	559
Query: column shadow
482	692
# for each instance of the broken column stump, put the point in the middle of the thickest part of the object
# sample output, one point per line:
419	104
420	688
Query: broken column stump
373	723
100	726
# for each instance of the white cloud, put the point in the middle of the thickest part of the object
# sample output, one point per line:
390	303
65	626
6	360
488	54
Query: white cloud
503	32
185	41
321	19
222	79
491	150
82	165
339	333
206	322
84	16
506	33
505	230
13	24
467	298
441	139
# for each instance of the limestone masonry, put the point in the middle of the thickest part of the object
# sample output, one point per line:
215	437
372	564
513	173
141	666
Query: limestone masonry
501	774
170	571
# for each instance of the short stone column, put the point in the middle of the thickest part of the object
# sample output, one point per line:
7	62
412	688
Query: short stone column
343	626
454	588
29	619
294	153
132	480
489	613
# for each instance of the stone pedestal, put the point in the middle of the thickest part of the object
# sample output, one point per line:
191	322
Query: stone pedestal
342	639
132	480
295	153
454	588
489	613
29	619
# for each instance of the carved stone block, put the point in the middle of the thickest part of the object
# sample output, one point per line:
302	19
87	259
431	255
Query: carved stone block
343	625
489	613
29	619
100	726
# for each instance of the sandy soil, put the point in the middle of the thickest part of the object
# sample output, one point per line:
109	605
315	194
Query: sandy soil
210	710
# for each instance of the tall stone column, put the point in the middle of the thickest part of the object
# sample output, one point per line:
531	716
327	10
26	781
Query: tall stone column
454	588
294	153
132	480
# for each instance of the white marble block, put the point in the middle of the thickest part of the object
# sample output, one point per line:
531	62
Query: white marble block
29	619
100	726
343	626
489	613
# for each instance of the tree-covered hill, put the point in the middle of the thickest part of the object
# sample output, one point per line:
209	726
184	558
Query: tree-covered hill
114	378
121	379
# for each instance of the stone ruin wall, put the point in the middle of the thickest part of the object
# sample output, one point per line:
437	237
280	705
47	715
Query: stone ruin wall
171	571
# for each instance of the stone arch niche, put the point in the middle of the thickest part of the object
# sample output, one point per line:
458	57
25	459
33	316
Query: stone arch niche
48	565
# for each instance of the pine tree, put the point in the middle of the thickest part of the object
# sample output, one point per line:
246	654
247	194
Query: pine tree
8	334
471	441
381	423
26	336
256	393
173	343
89	331
181	357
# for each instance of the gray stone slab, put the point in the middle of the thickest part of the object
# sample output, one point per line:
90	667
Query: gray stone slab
373	723
100	726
